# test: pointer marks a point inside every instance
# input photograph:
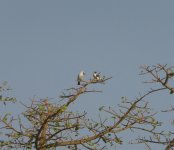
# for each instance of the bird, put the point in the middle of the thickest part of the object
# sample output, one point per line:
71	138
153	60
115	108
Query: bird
80	77
96	76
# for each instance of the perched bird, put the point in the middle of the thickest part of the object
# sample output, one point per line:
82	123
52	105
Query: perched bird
80	77
96	76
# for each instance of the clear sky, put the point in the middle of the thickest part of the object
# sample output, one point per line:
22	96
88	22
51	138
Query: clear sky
44	44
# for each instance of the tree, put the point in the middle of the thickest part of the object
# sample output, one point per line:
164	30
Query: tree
3	89
45	125
162	75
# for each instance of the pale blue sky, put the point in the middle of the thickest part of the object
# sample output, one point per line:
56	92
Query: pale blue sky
44	44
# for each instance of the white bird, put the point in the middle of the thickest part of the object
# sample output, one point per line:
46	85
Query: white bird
80	77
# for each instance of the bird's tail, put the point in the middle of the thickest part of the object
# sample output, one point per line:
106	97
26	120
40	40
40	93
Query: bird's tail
78	82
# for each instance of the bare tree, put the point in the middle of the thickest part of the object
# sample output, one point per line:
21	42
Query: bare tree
45	125
162	75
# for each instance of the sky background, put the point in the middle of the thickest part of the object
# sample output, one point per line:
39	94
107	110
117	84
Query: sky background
44	45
